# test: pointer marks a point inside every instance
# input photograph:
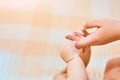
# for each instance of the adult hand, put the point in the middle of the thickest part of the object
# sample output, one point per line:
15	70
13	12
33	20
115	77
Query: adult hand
108	30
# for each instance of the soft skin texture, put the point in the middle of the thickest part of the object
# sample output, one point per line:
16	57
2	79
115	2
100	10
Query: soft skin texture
82	51
68	55
112	70
108	30
75	69
76	59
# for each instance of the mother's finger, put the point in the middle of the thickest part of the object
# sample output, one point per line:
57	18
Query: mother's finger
72	37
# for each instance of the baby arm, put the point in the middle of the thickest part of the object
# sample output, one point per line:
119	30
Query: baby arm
75	67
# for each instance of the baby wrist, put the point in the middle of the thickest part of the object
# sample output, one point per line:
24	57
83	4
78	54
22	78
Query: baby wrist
72	58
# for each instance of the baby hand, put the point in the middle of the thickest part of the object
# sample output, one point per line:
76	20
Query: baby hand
85	52
69	51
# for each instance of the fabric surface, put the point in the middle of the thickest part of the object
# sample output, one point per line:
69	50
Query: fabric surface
31	32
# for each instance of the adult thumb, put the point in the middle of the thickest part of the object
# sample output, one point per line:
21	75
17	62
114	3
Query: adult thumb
83	42
93	24
90	40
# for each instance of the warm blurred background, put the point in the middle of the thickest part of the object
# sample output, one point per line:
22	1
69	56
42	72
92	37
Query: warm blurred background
32	30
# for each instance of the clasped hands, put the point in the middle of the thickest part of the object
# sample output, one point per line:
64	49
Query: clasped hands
76	59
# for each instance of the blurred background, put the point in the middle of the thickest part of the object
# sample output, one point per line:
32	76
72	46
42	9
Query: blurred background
32	30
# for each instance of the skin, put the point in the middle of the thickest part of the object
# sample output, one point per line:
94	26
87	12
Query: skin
108	30
75	68
82	51
112	70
